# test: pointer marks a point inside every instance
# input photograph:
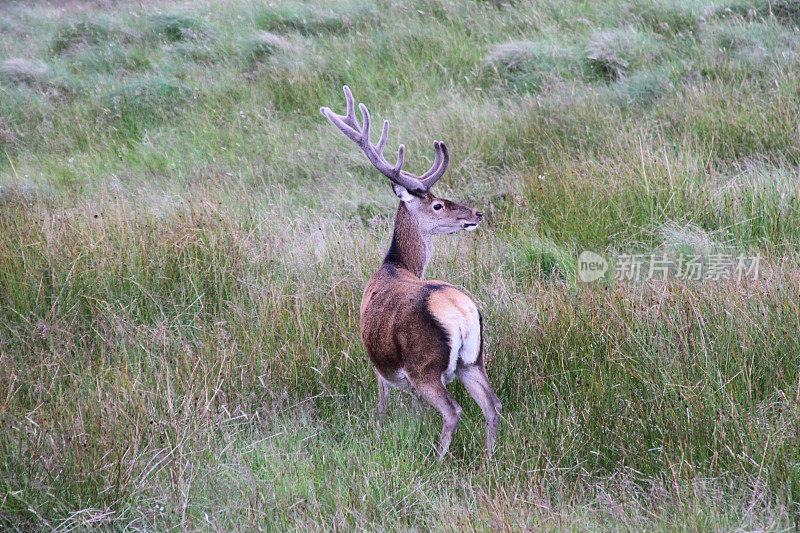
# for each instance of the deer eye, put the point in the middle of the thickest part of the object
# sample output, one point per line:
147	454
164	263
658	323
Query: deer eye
436	207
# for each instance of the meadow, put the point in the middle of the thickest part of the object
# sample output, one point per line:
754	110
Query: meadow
184	240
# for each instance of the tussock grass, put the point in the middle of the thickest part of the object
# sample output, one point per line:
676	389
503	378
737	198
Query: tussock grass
535	258
172	27
22	72
75	35
752	126
532	65
185	241
668	17
641	89
611	54
144	101
315	19
751	50
265	46
108	61
786	11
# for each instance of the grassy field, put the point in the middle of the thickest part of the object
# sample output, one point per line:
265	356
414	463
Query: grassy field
184	240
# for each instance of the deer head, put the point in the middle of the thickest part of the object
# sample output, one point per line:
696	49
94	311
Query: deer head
432	215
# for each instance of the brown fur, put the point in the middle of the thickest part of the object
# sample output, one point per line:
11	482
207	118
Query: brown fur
399	312
398	327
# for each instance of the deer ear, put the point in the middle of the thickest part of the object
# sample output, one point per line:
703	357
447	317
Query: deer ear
402	193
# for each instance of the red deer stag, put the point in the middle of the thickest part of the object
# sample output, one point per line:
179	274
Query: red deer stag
420	334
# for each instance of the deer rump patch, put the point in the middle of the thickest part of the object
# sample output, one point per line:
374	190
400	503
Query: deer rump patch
457	314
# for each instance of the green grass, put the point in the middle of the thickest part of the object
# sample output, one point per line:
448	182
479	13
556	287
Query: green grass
184	241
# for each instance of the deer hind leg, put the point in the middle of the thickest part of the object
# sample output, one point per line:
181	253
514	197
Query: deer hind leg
384	390
477	384
436	394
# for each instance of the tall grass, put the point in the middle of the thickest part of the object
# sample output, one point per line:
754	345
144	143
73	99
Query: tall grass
185	241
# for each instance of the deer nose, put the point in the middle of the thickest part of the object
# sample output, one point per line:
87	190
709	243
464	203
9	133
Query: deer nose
479	215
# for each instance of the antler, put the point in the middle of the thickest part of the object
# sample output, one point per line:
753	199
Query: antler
418	185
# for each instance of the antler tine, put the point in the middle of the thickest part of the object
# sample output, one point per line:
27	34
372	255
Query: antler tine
397	170
348	124
440	162
350	117
437	159
366	121
384	136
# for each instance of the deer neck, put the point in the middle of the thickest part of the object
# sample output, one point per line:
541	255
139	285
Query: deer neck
411	248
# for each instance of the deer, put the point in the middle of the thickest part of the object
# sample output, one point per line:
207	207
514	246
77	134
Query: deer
420	334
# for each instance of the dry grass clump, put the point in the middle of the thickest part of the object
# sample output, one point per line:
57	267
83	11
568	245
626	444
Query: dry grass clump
73	36
142	102
147	95
172	27
265	46
785	12
20	71
737	38
688	240
530	65
536	258
8	137
753	50
609	53
10	25
613	54
641	89
311	19
118	60
668	17
514	55
754	190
